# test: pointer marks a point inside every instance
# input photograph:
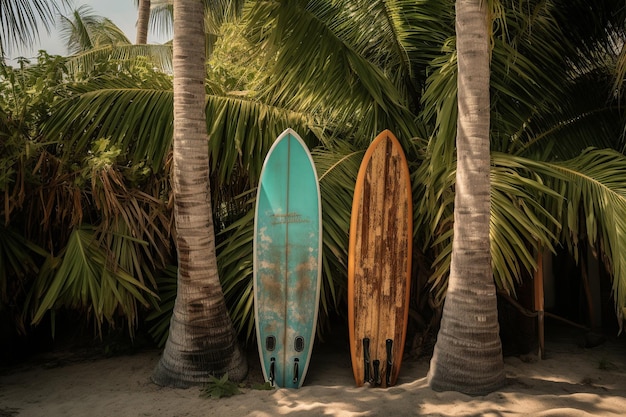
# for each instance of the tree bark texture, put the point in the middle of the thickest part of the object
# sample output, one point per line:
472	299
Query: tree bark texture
202	340
143	20
468	353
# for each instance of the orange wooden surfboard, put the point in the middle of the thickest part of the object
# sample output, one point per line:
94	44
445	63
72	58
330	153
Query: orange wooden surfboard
379	263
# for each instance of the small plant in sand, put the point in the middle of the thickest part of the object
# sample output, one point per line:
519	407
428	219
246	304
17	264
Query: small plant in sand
220	387
266	386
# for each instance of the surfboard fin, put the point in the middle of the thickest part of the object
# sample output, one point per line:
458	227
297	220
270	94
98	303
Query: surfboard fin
377	379
296	373
366	359
389	346
272	375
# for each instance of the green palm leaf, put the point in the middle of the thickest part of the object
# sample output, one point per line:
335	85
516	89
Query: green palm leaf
20	22
326	74
234	256
161	315
85	30
520	223
337	166
242	130
137	115
85	278
137	118
596	202
18	258
87	61
161	18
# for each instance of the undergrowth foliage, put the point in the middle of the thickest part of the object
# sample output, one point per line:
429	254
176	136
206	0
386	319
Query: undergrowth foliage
85	151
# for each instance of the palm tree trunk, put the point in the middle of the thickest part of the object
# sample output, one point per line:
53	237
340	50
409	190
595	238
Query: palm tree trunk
143	19
468	353
202	340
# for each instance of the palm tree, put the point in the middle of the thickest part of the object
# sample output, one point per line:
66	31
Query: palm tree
240	126
468	353
374	65
357	42
93	40
85	31
100	261
202	340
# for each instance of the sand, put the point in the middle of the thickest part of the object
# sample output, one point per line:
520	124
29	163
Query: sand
570	381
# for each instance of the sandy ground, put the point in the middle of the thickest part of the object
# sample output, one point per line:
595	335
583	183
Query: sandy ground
570	381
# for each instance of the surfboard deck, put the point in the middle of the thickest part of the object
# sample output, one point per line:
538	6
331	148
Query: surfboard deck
379	263
287	260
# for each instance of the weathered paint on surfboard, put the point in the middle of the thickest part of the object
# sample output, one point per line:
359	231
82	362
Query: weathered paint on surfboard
379	262
287	260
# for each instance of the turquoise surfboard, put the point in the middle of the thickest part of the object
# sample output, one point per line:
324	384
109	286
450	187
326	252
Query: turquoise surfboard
287	260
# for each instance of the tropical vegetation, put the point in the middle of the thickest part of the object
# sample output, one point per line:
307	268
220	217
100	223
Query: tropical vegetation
86	150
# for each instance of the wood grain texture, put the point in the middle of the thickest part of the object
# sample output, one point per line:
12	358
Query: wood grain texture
379	257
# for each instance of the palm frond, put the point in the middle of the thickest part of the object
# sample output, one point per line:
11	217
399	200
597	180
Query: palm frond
337	165
325	74
85	30
161	18
596	203
588	117
596	28
158	56
439	102
403	37
20	22
18	260
138	119
519	222
83	278
159	318
131	212
241	131
218	12
235	258
551	93
137	116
